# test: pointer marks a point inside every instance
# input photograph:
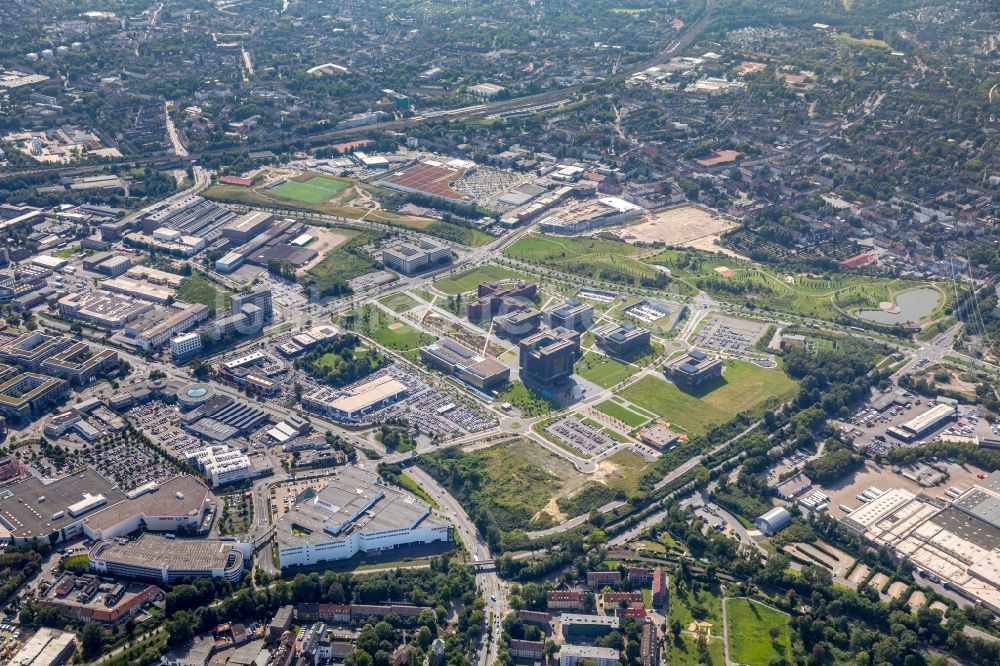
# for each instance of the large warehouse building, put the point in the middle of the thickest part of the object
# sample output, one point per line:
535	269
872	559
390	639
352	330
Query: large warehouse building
924	423
432	179
87	504
354	403
354	513
957	543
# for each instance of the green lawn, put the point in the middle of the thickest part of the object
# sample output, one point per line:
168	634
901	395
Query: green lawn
409	484
469	280
525	400
314	190
774	289
602	370
400	302
198	288
626	416
592	257
687	605
385	329
684	652
742	386
750	627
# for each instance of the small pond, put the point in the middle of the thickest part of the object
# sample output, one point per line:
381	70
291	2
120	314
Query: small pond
910	306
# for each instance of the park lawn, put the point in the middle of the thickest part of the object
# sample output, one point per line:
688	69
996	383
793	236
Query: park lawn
750	624
468	281
806	295
626	416
198	288
525	400
582	256
602	370
400	302
707	601
675	406
684	652
742	386
385	329
747	385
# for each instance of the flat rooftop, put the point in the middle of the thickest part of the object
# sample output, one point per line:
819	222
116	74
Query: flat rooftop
432	179
154	551
367	394
973	530
162	502
29	517
353	500
23	388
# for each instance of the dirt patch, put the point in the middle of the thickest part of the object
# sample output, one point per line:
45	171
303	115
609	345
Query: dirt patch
859	574
552	510
326	240
687	226
897	589
878	581
607	471
917	601
954	383
395	326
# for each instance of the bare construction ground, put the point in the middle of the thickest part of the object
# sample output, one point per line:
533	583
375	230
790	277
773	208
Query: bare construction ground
685	226
326	240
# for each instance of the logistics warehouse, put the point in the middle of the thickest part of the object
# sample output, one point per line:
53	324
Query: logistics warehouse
354	513
920	425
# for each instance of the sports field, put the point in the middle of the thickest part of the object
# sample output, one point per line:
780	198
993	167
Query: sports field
750	627
742	386
314	190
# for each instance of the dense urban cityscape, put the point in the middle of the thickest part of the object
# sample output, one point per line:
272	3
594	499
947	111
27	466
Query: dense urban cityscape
472	334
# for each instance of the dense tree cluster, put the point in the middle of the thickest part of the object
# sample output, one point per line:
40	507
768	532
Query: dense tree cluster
338	363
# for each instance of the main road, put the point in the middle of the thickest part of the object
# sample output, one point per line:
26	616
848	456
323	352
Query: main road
487	580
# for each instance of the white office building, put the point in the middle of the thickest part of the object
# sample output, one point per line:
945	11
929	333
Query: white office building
222	464
185	346
354	513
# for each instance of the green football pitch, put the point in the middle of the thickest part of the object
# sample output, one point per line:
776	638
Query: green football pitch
313	190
